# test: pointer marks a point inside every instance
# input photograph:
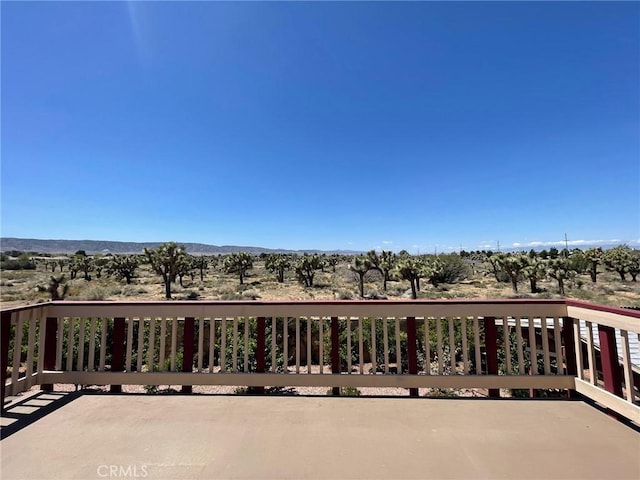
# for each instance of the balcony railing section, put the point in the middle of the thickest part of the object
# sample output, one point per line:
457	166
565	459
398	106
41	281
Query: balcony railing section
492	344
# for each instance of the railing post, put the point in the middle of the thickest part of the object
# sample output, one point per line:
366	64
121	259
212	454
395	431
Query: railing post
412	353
610	366
569	349
260	354
491	348
335	351
117	351
187	350
5	331
50	346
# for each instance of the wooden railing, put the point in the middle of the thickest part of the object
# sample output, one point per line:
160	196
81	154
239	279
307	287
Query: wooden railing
487	344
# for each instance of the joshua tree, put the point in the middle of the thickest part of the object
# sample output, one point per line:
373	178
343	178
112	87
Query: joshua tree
512	265
200	263
185	267
165	261
409	268
634	265
618	259
100	264
123	267
360	265
333	260
534	270
62	262
495	266
594	257
433	269
385	265
306	268
559	269
277	263
53	287
238	263
82	263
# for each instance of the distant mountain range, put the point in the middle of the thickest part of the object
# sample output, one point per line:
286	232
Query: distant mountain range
104	246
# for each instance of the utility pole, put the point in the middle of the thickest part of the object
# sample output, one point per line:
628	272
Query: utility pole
498	245
566	242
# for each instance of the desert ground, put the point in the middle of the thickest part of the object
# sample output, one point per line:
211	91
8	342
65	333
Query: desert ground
20	287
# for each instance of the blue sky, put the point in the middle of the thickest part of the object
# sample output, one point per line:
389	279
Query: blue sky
327	125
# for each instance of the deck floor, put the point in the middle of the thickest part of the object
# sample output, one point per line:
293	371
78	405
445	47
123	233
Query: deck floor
210	437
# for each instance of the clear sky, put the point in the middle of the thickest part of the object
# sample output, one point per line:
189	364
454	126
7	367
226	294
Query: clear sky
330	125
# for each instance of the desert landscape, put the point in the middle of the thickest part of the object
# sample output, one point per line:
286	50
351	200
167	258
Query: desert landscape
26	277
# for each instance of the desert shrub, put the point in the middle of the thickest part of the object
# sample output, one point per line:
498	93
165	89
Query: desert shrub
397	290
231	296
96	293
167	362
343	294
441	392
23	262
578	283
251	294
589	296
373	294
254	390
453	269
151	389
607	290
347	392
131	291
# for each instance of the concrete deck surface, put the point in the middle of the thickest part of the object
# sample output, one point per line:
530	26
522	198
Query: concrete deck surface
210	437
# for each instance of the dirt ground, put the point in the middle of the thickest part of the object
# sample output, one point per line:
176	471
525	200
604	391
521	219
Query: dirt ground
19	287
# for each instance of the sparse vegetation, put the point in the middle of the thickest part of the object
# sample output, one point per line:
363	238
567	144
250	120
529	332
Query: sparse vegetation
550	275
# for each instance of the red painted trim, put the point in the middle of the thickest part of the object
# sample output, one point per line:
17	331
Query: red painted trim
5	338
611	370
117	350
335	350
491	348
50	347
187	349
260	350
412	353
568	339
